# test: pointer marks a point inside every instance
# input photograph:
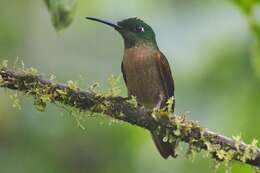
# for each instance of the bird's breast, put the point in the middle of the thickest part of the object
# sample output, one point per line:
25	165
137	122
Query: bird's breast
142	76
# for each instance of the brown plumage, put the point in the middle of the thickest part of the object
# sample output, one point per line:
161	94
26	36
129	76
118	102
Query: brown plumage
148	77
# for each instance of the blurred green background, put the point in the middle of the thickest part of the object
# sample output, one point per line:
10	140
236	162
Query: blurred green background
208	46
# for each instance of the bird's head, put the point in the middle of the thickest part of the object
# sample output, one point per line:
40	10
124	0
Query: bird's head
133	30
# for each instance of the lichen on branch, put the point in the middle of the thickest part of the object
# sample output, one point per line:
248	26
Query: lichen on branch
172	127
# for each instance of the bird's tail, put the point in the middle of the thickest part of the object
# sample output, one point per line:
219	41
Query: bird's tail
166	149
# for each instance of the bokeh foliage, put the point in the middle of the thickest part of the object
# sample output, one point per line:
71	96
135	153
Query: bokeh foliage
62	12
250	8
213	72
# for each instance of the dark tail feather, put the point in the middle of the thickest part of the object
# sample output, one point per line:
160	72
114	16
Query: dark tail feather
166	149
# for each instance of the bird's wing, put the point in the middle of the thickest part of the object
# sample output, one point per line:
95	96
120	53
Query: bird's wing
165	148
165	74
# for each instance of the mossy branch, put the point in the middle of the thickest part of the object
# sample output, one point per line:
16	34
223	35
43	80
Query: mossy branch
218	146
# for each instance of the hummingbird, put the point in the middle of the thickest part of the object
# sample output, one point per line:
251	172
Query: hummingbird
146	71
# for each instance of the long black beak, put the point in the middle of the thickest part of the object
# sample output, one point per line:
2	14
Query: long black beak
114	25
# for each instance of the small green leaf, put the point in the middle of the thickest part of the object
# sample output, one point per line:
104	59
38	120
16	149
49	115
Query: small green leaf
62	12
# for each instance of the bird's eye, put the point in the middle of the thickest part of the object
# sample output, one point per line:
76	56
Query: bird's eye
139	29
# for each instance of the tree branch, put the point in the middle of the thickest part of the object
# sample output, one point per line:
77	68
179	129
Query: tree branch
175	127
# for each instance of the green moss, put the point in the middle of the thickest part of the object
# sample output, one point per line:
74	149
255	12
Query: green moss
179	122
170	102
254	148
238	141
41	99
166	136
31	71
191	153
79	117
133	101
39	105
19	67
95	88
1	81
16	101
114	89
225	155
4	64
217	165
160	113
209	148
61	93
73	85
250	152
52	77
